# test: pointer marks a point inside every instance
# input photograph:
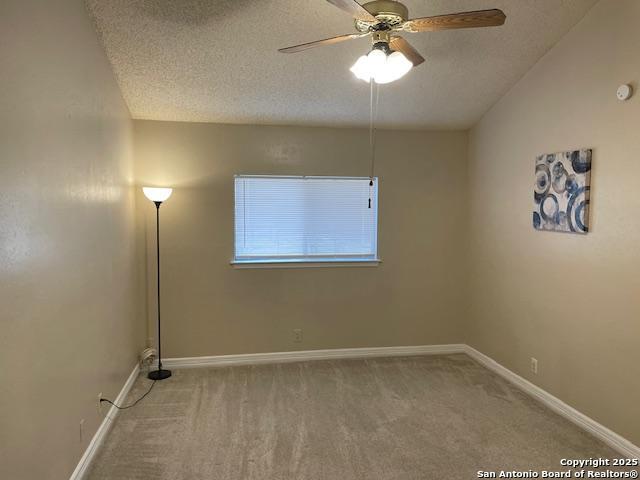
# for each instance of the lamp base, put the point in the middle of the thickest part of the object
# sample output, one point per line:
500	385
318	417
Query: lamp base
159	374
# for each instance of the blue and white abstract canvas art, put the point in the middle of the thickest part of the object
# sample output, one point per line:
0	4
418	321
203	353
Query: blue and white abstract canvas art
561	192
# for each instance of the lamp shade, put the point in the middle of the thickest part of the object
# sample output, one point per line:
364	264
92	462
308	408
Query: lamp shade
156	194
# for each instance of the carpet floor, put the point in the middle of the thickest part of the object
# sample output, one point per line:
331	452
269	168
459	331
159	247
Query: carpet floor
429	417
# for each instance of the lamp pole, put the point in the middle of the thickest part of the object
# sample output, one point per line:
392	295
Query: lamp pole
159	374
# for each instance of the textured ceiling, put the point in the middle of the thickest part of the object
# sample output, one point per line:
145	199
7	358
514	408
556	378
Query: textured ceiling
216	61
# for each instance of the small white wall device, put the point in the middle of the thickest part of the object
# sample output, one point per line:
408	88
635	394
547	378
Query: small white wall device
148	357
624	92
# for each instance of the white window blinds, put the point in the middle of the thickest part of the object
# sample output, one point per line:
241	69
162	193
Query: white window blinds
305	219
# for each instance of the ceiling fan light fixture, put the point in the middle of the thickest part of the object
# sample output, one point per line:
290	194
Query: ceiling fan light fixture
380	67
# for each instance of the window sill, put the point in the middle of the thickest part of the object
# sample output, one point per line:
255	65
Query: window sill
248	264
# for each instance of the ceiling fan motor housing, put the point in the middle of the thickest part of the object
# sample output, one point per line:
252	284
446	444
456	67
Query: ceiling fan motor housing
389	14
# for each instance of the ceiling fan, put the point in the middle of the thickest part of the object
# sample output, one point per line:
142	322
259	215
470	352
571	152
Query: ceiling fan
383	20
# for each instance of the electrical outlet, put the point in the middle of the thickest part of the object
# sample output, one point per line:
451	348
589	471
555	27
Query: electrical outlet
534	365
297	335
99	403
81	430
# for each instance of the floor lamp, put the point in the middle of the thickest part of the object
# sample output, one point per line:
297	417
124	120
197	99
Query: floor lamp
157	196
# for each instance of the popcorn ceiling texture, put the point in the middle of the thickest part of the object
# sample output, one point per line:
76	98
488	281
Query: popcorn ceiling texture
217	61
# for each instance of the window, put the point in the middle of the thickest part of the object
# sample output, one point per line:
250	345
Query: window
305	219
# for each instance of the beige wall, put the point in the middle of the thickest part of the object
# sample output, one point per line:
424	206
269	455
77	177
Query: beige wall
67	271
414	297
571	301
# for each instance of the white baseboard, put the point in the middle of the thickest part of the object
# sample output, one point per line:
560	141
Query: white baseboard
615	441
306	355
95	443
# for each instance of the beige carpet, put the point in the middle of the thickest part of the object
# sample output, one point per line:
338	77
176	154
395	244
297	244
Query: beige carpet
432	417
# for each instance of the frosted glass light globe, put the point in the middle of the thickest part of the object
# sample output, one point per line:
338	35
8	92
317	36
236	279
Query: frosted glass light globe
396	67
156	194
377	59
361	68
381	68
399	64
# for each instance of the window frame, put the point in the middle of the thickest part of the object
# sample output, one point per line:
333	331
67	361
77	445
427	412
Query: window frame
307	261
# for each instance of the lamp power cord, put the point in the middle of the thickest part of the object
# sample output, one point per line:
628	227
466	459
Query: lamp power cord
119	407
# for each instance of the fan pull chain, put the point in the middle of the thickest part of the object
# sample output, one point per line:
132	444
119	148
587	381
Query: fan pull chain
373	116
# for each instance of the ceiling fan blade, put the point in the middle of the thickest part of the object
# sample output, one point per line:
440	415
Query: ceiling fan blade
354	9
399	44
318	43
481	18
